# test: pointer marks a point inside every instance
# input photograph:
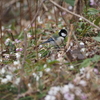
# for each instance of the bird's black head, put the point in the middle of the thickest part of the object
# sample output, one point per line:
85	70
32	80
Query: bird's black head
63	33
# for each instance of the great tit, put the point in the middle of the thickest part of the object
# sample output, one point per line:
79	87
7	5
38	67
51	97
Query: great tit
57	40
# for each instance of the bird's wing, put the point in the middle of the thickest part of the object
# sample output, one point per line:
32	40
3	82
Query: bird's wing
49	40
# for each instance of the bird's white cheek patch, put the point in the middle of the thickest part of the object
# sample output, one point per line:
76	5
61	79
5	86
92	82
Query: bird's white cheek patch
63	34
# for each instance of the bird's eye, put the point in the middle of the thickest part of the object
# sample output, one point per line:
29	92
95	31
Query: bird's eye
63	34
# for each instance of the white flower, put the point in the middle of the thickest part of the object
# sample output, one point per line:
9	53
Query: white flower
36	76
47	69
4	80
17	81
39	54
40	46
49	17
40	73
54	90
2	28
59	19
69	96
65	89
71	43
71	67
29	35
70	7
80	18
29	84
7	41
81	43
88	76
18	55
82	70
45	65
39	20
83	83
49	97
71	86
9	77
78	91
82	50
2	71
16	62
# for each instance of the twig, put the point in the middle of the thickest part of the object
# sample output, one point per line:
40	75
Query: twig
1	39
37	12
24	50
11	3
74	14
70	34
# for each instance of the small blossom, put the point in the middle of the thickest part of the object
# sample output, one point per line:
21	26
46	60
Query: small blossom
70	7
9	77
78	91
39	54
7	41
6	56
71	43
54	90
88	76
29	35
2	28
83	83
96	70
49	97
59	19
63	13
82	50
21	49
71	86
81	43
36	76
69	96
80	19
65	89
29	84
47	69
92	2
40	73
2	71
49	17
40	46
0	59
16	62
17	81
82	70
45	65
83	96
71	67
17	41
39	20
18	55
4	80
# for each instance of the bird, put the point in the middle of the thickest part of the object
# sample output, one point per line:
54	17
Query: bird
56	40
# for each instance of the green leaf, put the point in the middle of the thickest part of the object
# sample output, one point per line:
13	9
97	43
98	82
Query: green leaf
92	11
97	38
71	2
96	58
85	63
97	21
53	62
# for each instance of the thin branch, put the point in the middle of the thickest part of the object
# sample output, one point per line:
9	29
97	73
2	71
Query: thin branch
41	5
74	14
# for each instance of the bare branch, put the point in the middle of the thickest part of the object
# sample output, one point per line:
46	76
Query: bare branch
74	14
